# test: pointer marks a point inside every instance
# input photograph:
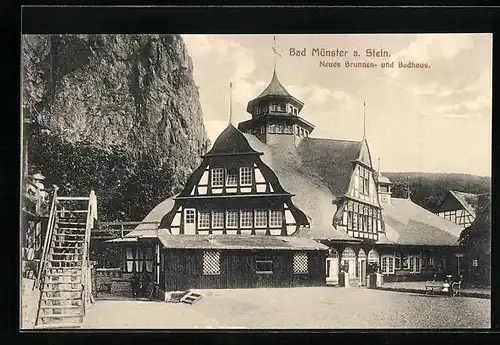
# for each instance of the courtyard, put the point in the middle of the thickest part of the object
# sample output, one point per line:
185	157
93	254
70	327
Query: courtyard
295	308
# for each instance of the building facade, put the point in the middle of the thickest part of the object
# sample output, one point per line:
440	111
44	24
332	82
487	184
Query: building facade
270	205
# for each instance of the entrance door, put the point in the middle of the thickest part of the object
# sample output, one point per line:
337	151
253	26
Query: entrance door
332	270
362	272
189	221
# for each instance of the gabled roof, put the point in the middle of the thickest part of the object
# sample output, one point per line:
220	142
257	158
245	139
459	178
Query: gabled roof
230	142
455	200
316	173
471	202
407	223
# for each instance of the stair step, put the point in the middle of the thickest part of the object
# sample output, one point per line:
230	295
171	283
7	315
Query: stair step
71	198
70	235
58	325
59	298
71	223
58	316
62	290
65	228
66	247
63	260
62	274
65	253
70	241
72	211
60	306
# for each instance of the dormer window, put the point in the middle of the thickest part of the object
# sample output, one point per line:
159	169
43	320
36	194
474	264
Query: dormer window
282	107
274	107
295	111
257	111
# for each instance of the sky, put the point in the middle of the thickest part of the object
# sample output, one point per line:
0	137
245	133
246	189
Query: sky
435	119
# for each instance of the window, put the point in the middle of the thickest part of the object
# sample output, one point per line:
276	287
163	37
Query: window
189	216
263	265
274	107
138	259
257	110
384	189
261	218
262	129
430	263
364	180
246	219
275	218
211	263
415	264
387	264
246	176
297	130
282	107
300	263
232	179
232	219
306	133
203	220
217	219
217	177
295	111
397	261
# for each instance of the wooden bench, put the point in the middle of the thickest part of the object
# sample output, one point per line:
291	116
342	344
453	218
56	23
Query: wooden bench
432	286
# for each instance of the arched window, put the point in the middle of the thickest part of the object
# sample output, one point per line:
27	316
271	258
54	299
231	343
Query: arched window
348	253
361	255
373	256
332	253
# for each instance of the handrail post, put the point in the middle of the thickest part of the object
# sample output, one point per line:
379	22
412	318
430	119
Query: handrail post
121	225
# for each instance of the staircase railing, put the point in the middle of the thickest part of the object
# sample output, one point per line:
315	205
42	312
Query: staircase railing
48	239
85	278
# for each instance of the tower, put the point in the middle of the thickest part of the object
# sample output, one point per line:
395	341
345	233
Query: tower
275	116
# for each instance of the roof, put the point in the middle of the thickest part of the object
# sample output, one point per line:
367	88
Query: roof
407	223
471	202
382	179
317	172
239	242
275	88
231	141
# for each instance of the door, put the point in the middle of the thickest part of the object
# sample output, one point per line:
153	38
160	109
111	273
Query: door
332	270
362	272
189	221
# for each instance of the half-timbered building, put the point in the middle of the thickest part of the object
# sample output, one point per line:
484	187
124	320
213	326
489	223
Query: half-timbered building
270	205
461	208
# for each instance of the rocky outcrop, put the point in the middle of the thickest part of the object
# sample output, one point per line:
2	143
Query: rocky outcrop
117	113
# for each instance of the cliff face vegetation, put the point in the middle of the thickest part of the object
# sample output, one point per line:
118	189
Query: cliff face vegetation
116	113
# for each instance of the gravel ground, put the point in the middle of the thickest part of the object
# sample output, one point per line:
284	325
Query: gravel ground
315	307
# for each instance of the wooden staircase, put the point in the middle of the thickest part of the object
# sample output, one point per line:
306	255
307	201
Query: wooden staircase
64	275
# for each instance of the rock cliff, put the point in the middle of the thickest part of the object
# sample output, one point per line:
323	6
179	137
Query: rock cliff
116	113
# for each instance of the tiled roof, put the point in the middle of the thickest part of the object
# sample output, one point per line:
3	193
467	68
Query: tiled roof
239	242
316	177
471	202
230	141
275	88
406	223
